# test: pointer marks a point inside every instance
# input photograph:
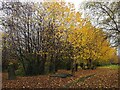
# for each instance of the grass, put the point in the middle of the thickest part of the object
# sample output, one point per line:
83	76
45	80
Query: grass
110	66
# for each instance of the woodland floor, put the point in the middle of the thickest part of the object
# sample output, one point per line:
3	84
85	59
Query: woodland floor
99	78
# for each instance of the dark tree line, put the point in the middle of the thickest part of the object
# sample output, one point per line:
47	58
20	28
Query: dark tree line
30	41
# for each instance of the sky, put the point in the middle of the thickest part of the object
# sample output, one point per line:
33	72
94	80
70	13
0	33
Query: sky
76	2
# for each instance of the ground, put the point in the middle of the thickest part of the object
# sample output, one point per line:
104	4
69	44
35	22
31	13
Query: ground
104	77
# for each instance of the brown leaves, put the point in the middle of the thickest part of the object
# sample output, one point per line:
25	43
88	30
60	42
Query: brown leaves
105	78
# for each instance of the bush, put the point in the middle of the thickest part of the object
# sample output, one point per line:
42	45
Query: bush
20	71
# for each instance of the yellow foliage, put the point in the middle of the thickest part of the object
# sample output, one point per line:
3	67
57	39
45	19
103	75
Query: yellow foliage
88	41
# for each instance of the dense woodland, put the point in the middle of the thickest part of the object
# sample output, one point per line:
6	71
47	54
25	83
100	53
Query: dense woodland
41	38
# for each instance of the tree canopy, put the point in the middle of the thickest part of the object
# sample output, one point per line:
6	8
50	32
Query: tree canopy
43	37
105	15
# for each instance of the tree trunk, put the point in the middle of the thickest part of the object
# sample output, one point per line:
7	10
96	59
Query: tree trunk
76	67
73	69
11	72
119	54
89	64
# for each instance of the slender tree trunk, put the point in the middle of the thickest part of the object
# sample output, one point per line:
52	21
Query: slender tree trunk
76	67
119	54
11	72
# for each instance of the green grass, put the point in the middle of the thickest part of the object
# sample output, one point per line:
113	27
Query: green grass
110	66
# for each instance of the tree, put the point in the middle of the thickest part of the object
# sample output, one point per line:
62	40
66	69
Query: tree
105	15
90	45
23	37
44	37
34	34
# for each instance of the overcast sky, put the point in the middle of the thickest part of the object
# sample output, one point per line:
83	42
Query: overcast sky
76	2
